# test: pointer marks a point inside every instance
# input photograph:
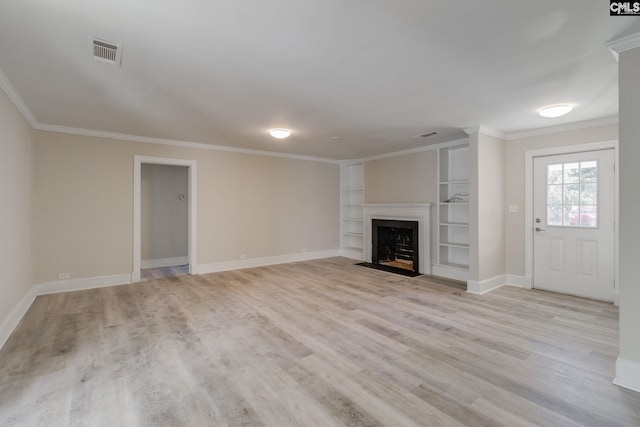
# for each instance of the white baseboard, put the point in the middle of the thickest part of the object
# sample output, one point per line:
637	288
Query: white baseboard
450	272
81	284
164	262
261	262
352	253
487	285
627	374
513	280
10	323
518	281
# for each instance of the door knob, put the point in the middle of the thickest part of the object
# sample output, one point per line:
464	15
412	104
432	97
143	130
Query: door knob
540	229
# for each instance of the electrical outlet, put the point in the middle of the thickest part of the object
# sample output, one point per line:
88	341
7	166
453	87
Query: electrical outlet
62	276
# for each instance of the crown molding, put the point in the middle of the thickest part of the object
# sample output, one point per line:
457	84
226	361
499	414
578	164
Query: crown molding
409	151
486	131
563	128
13	95
623	44
176	143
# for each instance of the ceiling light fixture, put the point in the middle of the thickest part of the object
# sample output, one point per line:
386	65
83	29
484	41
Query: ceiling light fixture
280	133
555	110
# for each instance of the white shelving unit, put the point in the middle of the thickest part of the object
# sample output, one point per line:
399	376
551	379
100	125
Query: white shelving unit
453	213
352	198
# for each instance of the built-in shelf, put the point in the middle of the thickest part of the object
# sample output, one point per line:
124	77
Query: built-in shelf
454	182
352	198
455	224
454	265
353	234
453	216
454	245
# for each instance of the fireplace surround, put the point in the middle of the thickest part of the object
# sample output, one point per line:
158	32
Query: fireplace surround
417	212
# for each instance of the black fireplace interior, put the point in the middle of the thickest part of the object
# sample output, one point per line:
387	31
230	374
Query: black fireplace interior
395	245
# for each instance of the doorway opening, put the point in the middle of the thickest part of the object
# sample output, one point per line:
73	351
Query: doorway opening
164	221
164	225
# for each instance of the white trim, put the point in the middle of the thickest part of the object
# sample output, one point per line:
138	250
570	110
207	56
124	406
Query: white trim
409	151
528	199
175	143
449	272
627	374
623	44
262	262
17	100
616	298
192	201
479	288
71	285
517	281
563	128
11	322
164	262
485	131
352	253
420	212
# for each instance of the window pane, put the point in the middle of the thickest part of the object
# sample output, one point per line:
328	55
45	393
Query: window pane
554	174
571	172
588	216
589	171
571	194
588	193
554	215
554	195
571	216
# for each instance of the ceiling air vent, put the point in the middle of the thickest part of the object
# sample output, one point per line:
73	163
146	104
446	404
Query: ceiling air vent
105	51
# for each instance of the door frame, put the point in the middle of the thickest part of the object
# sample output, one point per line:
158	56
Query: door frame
137	208
528	203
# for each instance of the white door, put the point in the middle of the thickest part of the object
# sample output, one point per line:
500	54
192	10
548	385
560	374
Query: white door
574	224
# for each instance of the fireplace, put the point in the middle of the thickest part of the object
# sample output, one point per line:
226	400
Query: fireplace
410	212
395	245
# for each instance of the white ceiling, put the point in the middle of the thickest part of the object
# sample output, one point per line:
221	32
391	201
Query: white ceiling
350	78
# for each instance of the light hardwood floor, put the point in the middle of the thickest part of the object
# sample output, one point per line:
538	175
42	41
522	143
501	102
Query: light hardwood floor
319	343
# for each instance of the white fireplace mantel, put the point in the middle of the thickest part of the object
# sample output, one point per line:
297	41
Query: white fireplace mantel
420	212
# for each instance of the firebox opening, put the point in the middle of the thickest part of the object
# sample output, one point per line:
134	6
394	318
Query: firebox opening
395	244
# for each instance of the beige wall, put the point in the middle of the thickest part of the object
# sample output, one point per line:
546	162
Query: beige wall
164	216
629	209
15	208
251	205
410	178
515	183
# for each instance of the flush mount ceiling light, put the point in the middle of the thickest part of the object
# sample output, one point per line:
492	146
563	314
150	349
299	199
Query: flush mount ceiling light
280	133
555	110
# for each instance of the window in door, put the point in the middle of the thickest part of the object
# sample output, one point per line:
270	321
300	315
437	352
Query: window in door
572	190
